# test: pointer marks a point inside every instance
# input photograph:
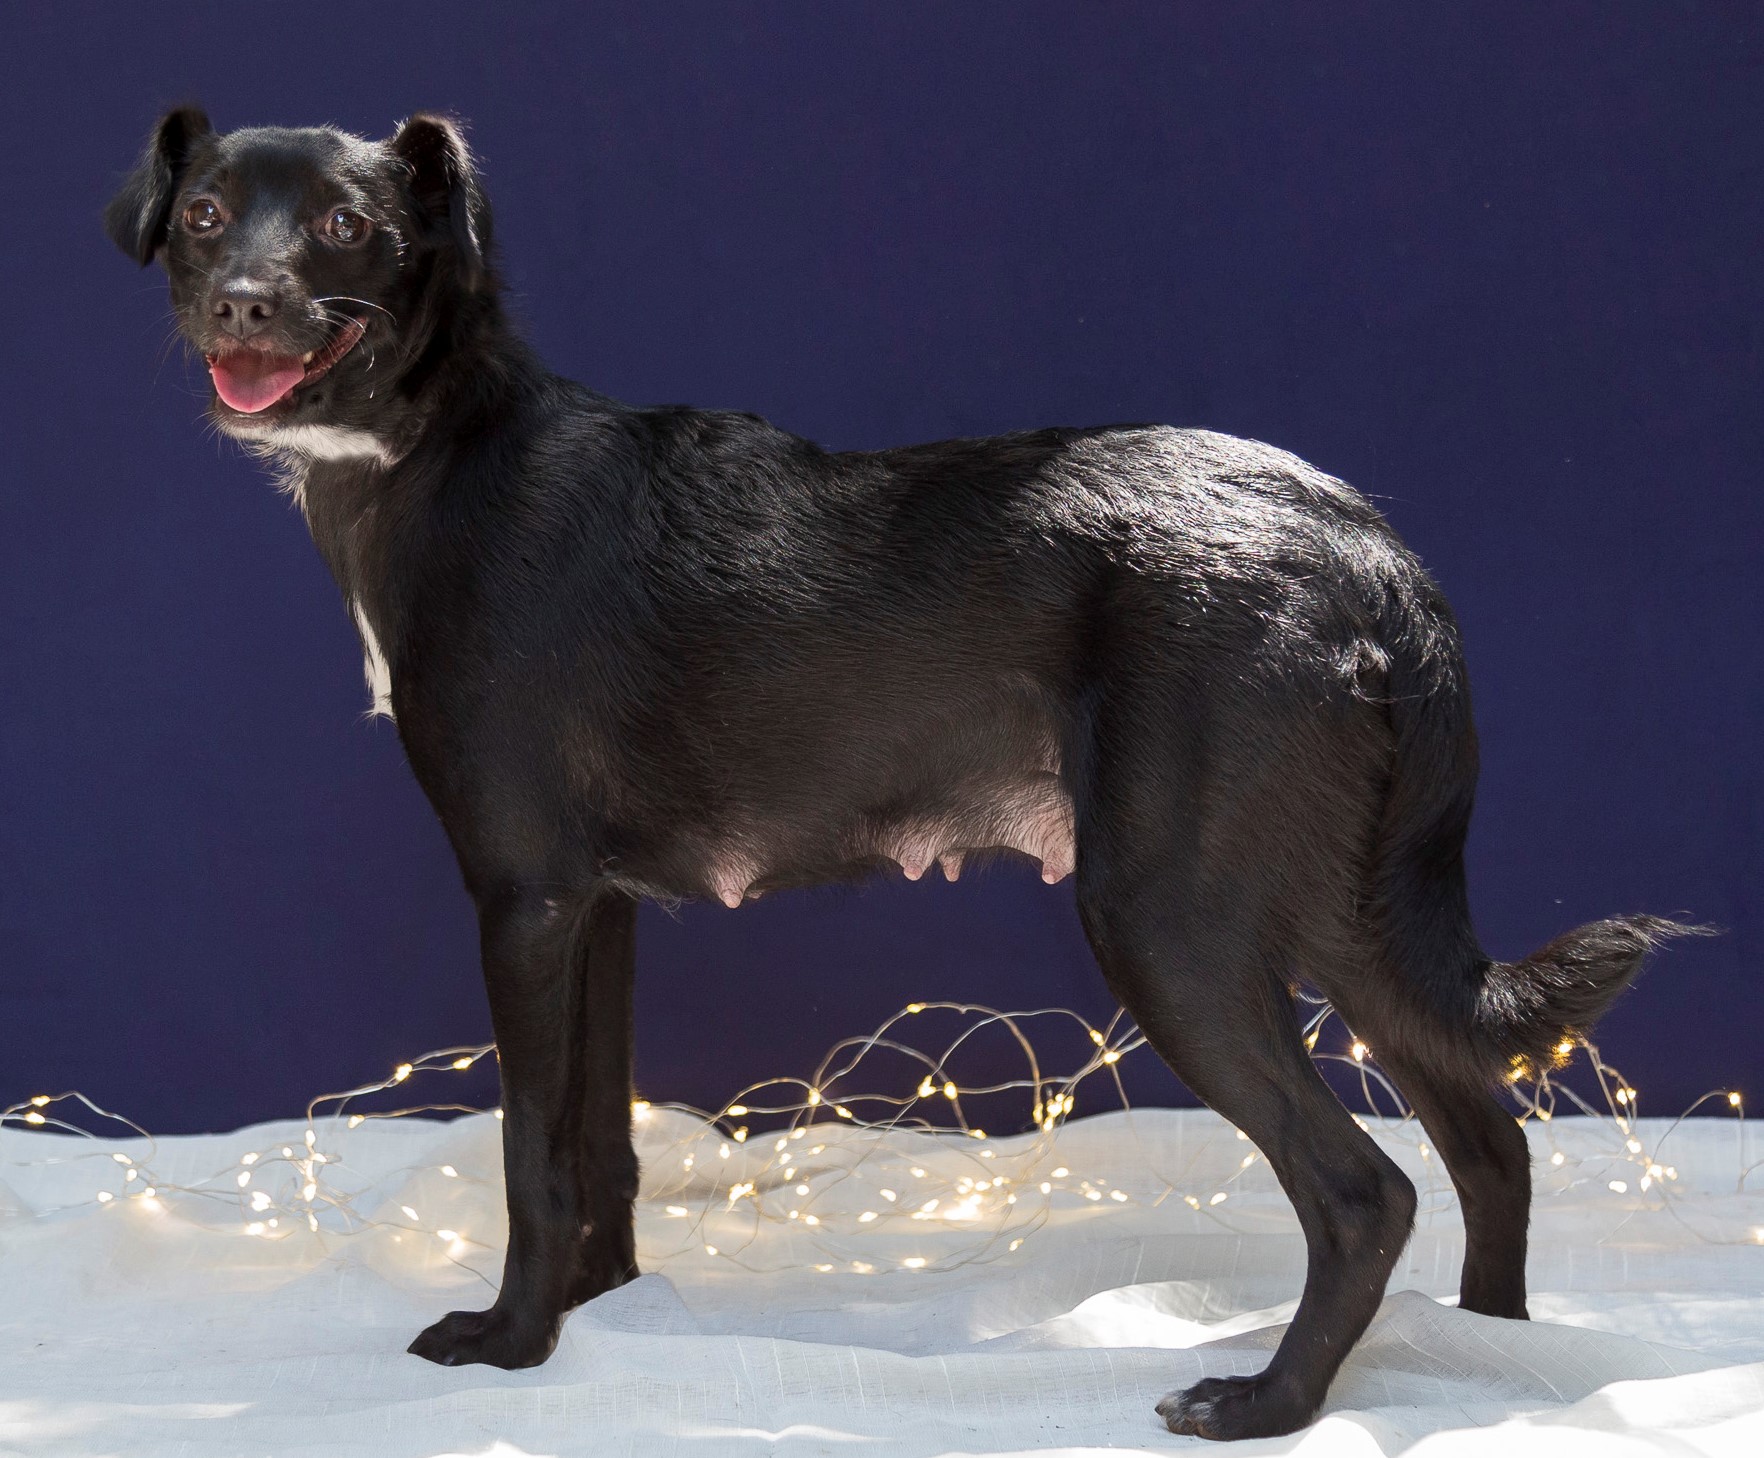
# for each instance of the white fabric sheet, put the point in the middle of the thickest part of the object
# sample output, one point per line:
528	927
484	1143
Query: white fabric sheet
140	1331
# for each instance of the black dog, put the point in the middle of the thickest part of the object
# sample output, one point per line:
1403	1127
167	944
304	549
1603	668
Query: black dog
678	653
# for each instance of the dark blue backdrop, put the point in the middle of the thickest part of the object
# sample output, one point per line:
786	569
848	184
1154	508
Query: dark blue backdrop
1497	265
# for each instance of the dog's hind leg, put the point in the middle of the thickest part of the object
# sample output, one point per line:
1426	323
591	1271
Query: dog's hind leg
1209	1001
559	976
1210	876
1485	1153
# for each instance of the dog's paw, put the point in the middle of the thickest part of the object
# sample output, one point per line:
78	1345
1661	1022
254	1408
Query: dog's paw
1223	1408
492	1337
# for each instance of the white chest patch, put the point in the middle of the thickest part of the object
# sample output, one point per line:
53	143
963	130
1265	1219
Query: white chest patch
331	443
374	665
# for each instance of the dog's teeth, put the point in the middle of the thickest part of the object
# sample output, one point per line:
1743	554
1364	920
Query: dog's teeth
307	357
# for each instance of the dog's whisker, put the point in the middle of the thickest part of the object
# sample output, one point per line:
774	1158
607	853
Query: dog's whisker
365	303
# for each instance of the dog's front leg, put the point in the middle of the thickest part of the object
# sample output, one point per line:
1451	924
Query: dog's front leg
559	975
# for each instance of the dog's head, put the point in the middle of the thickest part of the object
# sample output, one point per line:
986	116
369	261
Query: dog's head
309	267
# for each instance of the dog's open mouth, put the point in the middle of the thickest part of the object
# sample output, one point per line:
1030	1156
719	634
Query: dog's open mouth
251	380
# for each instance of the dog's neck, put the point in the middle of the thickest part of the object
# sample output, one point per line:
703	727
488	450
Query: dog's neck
369	493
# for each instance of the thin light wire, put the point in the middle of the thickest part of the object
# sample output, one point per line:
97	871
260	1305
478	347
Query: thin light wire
847	1161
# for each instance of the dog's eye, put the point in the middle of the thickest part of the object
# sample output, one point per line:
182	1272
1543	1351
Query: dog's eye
202	216
346	226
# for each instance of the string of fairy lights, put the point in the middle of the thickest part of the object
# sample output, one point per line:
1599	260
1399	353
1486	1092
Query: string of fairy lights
855	1177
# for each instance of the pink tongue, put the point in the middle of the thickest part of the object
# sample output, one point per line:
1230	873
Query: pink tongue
249	381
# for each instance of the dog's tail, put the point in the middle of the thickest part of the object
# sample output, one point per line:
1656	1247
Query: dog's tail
1489	1019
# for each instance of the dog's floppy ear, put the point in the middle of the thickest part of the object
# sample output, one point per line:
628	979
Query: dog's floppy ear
140	214
444	185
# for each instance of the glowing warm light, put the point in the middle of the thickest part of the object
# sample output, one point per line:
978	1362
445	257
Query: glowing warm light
950	1192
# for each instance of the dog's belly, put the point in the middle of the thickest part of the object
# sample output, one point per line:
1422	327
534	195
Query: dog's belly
1031	814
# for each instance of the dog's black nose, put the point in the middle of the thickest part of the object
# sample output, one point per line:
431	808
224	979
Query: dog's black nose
244	306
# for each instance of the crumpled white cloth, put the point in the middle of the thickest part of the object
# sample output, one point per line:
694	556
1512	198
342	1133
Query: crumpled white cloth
141	1332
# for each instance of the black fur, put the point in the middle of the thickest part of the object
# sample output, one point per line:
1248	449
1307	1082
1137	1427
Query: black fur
675	653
